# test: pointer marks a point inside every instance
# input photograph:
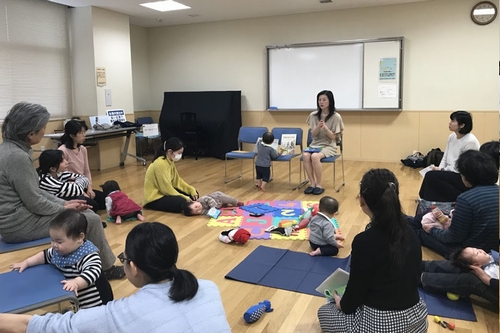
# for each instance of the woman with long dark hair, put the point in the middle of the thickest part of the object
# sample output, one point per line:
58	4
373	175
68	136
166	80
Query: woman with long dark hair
164	189
169	299
381	295
326	127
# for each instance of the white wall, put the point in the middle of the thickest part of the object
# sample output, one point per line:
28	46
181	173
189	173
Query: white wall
449	62
112	51
82	61
140	67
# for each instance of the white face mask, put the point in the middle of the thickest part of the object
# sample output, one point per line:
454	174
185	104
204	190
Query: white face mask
177	157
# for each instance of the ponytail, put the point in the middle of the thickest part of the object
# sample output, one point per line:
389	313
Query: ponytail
184	285
173	144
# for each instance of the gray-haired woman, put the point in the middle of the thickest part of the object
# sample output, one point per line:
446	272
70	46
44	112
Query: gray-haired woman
25	210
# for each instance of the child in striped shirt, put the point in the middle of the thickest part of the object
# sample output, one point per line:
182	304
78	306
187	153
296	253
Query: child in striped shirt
77	258
55	178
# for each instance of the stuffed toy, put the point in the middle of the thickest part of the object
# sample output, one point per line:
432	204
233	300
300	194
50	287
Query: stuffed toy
240	236
306	217
256	311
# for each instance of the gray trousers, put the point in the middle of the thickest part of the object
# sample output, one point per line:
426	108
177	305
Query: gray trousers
95	234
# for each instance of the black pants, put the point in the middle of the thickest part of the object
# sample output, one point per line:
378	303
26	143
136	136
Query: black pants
171	204
442	186
441	276
263	173
326	250
443	249
100	199
88	201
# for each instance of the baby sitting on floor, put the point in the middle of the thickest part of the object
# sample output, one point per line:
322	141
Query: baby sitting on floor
216	199
323	238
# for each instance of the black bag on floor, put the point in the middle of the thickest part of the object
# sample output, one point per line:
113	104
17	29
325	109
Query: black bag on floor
434	156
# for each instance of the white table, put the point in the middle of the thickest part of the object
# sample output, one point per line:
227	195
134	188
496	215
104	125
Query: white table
98	135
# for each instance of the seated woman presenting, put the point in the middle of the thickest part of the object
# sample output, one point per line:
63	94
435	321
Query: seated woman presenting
164	189
444	183
382	292
168	300
326	127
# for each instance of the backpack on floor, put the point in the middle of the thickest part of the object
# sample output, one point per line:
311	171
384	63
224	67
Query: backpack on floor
434	156
415	160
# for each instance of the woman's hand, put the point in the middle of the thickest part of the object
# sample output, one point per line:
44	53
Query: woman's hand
79	205
436	168
321	124
481	274
337	299
427	227
90	193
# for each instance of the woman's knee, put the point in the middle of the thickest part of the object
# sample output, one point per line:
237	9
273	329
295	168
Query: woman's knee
93	220
316	158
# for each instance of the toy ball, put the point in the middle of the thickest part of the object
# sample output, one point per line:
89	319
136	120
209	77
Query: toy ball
453	297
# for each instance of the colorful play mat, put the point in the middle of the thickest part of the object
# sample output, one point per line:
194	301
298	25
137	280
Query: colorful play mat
279	214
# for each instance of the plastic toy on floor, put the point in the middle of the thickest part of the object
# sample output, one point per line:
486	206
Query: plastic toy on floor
305	218
239	236
287	231
256	311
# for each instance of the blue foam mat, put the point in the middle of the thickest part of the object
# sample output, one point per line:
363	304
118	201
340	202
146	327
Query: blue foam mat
10	247
299	272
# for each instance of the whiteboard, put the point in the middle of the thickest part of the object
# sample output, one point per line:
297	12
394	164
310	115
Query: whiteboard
350	69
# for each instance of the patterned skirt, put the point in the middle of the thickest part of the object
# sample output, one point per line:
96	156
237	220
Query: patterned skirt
370	320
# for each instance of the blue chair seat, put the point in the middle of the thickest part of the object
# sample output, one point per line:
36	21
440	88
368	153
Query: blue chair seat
245	156
10	247
286	158
34	288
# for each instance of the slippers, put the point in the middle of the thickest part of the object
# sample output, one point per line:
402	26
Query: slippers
309	190
318	190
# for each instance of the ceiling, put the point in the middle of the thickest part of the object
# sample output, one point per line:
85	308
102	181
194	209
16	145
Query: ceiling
221	10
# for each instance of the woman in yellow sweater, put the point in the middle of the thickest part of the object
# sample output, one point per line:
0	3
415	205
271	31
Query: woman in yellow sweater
164	189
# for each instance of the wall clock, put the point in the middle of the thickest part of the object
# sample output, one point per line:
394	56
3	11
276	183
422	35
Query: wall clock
483	12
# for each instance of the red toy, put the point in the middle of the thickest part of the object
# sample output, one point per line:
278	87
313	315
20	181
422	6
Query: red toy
306	216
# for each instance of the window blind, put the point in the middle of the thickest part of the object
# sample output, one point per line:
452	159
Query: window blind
35	56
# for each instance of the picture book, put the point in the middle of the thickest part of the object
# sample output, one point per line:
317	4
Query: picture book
288	142
274	144
337	281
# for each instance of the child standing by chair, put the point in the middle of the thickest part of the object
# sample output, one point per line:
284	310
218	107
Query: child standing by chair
265	153
216	199
77	258
322	237
118	205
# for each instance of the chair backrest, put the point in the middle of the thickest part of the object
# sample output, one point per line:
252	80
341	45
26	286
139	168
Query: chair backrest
340	141
250	134
279	131
144	120
189	122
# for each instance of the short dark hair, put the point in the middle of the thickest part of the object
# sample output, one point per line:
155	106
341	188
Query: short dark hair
187	209
492	149
268	138
50	158
72	127
173	143
328	205
463	118
71	221
477	168
110	186
153	248
457	259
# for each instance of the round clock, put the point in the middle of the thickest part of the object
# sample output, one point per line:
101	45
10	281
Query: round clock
483	12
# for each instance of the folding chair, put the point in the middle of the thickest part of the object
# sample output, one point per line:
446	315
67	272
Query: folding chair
34	288
246	135
10	247
278	132
332	159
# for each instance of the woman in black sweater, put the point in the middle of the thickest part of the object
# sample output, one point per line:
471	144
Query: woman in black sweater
381	295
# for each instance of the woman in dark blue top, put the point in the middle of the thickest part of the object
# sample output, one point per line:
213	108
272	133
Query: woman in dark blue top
381	295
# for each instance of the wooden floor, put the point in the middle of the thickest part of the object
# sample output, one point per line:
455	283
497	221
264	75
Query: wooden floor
202	253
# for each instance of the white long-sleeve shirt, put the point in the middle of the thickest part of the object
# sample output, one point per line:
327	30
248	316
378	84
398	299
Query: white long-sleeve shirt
455	147
148	310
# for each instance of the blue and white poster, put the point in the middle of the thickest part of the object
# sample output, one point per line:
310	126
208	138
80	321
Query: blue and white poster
387	69
116	115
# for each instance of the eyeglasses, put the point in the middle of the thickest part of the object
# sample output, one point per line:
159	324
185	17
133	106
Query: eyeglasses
122	258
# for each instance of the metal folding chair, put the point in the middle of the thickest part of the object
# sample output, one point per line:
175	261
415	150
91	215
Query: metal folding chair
278	132
246	134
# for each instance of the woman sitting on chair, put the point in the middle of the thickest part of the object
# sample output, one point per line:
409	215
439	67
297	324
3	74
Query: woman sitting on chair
326	126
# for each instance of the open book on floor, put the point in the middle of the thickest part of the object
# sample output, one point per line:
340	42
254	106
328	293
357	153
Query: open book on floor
337	281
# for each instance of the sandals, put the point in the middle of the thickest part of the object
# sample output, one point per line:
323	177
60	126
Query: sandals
309	190
314	190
